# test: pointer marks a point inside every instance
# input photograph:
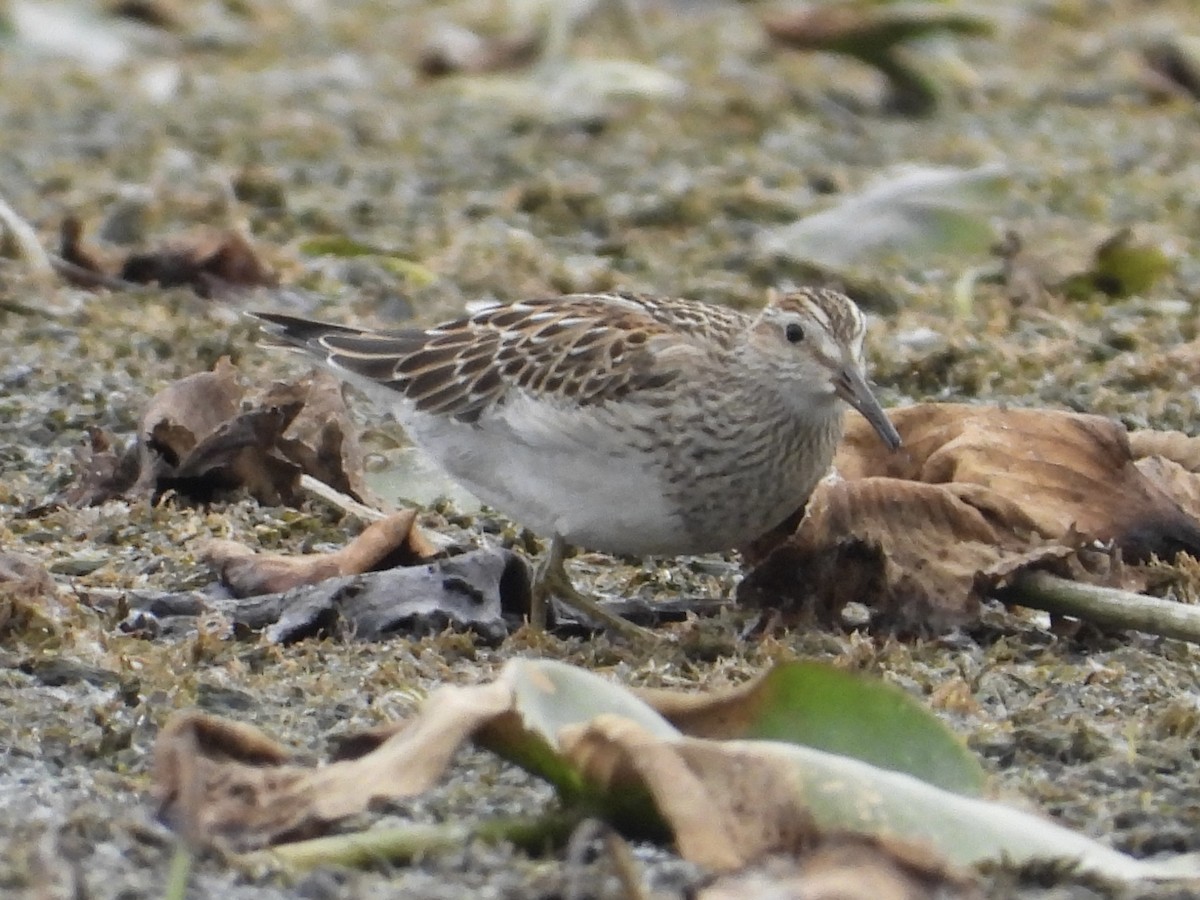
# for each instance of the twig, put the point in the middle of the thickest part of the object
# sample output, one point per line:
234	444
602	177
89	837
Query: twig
365	848
342	501
625	867
25	309
629	873
1109	607
409	842
180	873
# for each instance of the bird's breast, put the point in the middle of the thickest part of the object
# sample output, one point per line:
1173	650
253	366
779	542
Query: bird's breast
692	476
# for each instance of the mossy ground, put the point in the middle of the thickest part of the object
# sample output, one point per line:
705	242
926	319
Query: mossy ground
319	124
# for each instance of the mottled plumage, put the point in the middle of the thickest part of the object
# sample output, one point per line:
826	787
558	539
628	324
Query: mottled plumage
623	423
585	348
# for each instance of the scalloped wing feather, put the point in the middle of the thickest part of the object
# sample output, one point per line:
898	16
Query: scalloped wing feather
582	349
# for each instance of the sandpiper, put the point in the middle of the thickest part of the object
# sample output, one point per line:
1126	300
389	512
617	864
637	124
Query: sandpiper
623	423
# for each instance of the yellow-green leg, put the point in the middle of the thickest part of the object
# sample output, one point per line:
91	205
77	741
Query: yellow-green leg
551	580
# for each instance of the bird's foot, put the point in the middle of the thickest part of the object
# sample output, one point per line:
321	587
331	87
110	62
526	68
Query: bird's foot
552	580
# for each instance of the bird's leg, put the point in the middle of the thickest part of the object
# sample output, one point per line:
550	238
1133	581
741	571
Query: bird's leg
551	580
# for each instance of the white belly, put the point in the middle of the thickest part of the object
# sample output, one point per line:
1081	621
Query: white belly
620	479
569	478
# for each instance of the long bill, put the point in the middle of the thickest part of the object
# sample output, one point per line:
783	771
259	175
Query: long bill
852	387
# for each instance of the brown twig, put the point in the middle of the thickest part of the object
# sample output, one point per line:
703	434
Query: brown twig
1109	607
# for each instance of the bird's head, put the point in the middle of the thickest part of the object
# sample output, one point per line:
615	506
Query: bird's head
813	339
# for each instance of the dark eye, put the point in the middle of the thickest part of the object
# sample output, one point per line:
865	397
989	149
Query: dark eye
794	332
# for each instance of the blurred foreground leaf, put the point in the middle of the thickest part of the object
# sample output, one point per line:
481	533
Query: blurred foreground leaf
574	91
69	30
725	803
817	705
916	213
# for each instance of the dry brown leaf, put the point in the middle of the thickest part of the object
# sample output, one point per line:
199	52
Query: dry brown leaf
730	804
321	439
86	268
197	441
716	715
219	781
188	410
976	495
394	541
201	437
727	804
703	790
1065	472
28	595
1172	445
211	264
102	472
207	769
1178	480
918	554
241	455
215	780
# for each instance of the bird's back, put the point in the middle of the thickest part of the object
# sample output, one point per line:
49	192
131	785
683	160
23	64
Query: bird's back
583	349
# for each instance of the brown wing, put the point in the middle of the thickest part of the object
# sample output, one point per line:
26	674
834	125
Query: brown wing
585	348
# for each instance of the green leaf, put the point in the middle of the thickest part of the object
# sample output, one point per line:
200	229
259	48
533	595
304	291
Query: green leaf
819	706
343	247
1120	268
839	792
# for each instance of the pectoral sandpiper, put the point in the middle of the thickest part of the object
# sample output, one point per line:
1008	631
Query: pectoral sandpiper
622	423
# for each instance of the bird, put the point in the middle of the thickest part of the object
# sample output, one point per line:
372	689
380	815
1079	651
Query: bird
631	424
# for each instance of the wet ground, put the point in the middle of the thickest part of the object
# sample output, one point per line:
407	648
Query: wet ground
313	118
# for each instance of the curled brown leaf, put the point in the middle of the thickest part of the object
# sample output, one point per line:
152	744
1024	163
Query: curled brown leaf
216	780
202	437
212	264
393	541
976	495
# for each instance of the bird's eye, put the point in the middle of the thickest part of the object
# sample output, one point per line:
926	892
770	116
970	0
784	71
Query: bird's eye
794	332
